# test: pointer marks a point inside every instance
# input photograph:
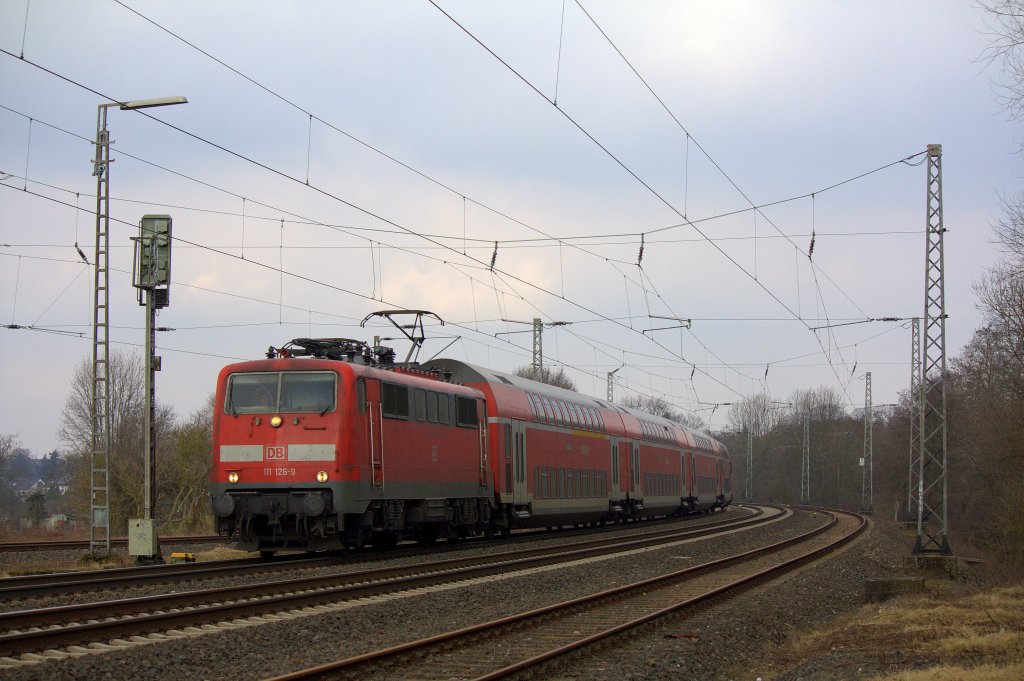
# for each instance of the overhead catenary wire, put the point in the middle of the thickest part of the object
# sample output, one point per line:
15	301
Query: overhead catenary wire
266	266
506	243
327	194
607	38
643	286
615	158
620	350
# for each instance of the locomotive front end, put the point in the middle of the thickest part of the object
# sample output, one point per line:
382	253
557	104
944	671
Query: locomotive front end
278	447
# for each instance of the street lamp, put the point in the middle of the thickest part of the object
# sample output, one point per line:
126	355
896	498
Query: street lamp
99	521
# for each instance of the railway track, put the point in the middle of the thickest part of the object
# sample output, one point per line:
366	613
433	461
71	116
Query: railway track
532	644
27	587
83	544
26	632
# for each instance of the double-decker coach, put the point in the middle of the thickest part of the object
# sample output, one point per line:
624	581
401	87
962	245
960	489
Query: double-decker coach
560	457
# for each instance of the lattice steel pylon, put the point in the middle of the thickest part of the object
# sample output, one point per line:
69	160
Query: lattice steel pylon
538	347
932	529
99	489
867	477
805	463
914	469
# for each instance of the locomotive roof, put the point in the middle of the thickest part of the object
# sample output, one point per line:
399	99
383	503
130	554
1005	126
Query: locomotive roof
393	372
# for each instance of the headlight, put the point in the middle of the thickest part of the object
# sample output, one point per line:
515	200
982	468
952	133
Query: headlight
233	476
321	476
275	421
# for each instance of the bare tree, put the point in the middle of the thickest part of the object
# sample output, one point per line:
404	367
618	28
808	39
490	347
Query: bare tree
556	377
651	404
126	386
1005	19
184	473
760	413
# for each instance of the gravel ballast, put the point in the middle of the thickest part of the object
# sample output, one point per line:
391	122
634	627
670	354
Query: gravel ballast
721	641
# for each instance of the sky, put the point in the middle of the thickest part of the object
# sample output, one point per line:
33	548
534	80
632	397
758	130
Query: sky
589	162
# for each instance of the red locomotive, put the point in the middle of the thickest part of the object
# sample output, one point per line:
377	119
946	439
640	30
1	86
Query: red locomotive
329	444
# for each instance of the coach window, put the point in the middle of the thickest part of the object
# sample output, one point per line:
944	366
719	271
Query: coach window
443	415
394	400
568	483
564	412
549	416
588	420
564	408
561	483
465	412
574	412
508	442
556	416
533	405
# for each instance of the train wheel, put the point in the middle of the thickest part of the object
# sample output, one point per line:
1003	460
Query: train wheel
426	535
384	540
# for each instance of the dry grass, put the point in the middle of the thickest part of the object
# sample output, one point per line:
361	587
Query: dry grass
951	632
983	672
224	553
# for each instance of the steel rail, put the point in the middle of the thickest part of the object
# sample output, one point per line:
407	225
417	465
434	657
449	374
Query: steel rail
425	648
67	544
45	628
22	587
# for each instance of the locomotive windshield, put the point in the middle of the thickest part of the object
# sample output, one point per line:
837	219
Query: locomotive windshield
281	392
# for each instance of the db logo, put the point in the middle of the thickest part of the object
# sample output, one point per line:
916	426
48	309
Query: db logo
274	453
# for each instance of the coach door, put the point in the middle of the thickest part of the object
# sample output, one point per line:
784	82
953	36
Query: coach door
519	492
694	492
625	474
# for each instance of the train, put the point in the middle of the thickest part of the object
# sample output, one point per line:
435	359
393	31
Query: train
329	444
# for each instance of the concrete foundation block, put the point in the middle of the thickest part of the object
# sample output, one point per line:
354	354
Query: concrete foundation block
934	563
884	588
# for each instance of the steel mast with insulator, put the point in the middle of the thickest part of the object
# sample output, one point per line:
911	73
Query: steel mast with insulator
805	463
867	481
932	529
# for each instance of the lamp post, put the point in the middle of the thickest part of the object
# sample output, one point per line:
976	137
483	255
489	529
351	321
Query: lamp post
99	521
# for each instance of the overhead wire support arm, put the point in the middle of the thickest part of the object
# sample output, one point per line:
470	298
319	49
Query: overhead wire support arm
683	323
860	321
